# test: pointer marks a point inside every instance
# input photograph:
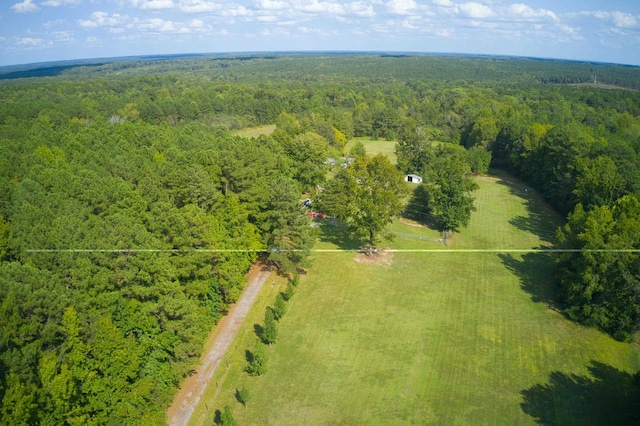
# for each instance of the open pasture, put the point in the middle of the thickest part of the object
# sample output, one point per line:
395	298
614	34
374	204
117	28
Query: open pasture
443	337
374	147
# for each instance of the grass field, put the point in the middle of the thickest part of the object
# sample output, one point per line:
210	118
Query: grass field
433	338
383	146
254	132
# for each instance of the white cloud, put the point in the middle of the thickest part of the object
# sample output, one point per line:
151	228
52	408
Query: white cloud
279	8
315	6
267	18
25	6
152	4
446	32
381	28
623	20
617	18
407	24
51	24
63	36
153	25
443	3
158	25
360	8
475	10
57	3
30	42
401	7
236	10
526	12
103	19
198	6
92	40
268	32
272	4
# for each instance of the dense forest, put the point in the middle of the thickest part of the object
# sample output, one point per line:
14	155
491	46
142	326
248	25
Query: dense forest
129	214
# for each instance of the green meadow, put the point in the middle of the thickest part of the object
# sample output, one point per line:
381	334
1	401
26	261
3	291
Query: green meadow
374	147
446	337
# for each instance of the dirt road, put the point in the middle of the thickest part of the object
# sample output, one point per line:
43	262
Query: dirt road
193	387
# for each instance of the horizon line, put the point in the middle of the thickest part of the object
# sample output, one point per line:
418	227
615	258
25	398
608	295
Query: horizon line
160	56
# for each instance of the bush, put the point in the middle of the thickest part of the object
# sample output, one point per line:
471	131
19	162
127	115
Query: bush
242	395
257	361
269	332
279	308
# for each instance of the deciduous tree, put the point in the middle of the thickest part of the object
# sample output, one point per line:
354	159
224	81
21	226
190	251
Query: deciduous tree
449	184
366	195
600	284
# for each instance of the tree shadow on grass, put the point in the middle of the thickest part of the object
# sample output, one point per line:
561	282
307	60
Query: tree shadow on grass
608	397
418	211
259	330
337	233
535	273
540	219
248	355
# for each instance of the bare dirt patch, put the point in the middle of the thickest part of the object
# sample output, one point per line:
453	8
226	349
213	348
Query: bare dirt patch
382	257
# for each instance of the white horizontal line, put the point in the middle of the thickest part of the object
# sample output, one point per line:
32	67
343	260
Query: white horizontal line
443	250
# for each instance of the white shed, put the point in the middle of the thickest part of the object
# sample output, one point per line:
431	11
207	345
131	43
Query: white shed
413	178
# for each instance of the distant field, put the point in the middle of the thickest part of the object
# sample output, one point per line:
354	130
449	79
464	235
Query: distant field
254	132
444	338
374	147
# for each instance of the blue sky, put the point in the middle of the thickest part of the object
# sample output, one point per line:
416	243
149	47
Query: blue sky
47	30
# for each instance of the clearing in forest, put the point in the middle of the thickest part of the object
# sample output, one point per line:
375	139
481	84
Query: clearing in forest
374	147
254	132
433	338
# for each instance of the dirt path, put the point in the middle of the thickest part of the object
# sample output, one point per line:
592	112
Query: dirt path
217	344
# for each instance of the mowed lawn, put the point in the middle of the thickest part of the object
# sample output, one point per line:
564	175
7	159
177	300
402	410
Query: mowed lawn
374	147
440	338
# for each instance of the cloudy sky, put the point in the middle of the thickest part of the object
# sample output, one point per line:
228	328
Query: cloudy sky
46	30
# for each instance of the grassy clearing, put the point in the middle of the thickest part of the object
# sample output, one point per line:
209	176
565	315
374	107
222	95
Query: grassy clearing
254	132
383	146
435	338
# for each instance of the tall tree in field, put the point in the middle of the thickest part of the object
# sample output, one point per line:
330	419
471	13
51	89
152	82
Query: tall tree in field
366	195
600	286
286	227
414	149
449	184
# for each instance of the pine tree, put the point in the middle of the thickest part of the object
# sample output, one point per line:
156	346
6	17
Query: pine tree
279	307
286	226
269	332
257	361
226	419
